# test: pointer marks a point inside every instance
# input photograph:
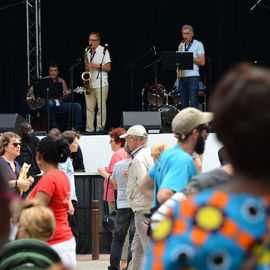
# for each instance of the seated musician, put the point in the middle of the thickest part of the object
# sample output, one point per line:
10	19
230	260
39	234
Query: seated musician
60	104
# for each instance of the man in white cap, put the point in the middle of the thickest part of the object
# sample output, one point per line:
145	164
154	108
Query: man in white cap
136	138
175	166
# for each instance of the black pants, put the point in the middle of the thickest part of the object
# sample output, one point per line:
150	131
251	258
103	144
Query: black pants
124	220
73	223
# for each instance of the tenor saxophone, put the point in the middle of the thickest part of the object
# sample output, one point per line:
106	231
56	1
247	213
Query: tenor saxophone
86	75
180	72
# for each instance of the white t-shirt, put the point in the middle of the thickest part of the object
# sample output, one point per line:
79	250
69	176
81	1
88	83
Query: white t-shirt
96	59
196	48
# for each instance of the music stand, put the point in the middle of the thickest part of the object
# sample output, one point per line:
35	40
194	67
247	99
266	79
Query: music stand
172	60
46	88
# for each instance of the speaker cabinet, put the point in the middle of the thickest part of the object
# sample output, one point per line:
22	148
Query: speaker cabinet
151	120
10	122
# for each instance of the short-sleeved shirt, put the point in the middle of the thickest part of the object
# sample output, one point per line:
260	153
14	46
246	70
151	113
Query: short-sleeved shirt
56	184
67	167
212	230
196	48
10	174
96	59
117	156
121	181
172	170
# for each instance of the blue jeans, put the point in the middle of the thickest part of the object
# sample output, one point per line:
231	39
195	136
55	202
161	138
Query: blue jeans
124	220
66	107
188	88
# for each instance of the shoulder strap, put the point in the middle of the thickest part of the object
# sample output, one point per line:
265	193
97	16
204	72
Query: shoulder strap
108	182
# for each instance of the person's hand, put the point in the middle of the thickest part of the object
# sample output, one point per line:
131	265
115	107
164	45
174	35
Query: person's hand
71	209
87	66
101	171
66	92
31	180
125	173
23	184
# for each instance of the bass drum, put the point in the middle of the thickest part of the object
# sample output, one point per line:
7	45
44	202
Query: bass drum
155	94
168	112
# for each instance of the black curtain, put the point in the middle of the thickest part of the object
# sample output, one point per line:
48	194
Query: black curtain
229	30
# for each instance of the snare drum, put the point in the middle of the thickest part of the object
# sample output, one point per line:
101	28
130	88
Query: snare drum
155	95
175	97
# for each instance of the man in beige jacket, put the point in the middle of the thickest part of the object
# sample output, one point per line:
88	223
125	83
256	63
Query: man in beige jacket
136	138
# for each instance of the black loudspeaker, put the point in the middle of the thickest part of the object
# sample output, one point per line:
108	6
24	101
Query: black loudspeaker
10	122
151	120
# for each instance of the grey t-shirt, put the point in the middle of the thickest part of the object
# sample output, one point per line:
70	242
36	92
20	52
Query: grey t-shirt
205	180
121	181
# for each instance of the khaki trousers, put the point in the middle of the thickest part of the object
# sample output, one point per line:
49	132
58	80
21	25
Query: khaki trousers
91	101
140	240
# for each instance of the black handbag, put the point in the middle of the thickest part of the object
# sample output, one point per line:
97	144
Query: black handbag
108	219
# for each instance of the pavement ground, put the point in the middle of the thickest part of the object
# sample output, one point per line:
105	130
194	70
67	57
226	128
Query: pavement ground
85	262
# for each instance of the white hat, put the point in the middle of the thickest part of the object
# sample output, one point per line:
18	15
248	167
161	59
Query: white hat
137	130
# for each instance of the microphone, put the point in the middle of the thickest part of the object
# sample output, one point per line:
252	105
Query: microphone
105	48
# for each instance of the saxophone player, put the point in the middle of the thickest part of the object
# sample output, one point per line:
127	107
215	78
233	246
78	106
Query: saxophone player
99	64
189	79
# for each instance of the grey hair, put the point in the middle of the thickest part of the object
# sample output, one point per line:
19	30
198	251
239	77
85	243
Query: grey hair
187	26
142	138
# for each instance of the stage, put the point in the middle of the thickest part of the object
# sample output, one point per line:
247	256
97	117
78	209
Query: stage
97	150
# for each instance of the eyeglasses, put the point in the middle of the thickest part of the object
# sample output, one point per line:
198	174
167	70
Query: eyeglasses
186	33
15	144
93	40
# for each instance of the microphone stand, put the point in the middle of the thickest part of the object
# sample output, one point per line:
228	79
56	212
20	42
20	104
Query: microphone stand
48	108
100	73
71	69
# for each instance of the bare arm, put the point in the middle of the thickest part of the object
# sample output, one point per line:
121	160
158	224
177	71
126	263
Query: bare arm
43	197
164	194
113	181
20	183
147	186
103	173
200	60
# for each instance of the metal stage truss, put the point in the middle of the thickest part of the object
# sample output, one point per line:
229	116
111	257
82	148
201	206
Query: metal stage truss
33	32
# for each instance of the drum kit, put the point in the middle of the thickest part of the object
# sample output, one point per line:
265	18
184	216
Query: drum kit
166	102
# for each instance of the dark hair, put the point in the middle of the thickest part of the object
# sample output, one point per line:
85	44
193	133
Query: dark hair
116	133
242	118
97	34
53	65
70	135
53	150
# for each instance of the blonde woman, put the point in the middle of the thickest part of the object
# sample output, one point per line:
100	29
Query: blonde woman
35	221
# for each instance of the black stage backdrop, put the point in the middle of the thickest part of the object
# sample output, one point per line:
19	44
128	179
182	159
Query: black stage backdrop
229	30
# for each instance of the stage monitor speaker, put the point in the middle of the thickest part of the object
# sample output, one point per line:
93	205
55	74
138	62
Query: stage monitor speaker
10	122
151	120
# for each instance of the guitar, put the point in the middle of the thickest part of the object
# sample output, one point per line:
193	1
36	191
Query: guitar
36	103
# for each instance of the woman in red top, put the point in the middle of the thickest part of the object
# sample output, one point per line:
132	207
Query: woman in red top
53	189
117	145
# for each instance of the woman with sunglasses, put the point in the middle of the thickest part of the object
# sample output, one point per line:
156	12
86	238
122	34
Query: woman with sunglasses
53	190
10	146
